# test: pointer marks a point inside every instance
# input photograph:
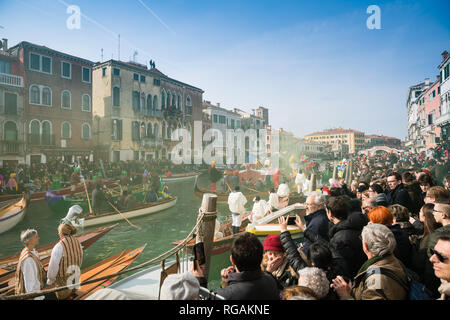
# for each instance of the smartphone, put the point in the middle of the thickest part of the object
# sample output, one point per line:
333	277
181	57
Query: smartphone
291	221
199	254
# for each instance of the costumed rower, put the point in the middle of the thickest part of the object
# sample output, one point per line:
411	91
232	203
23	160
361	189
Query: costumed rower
30	274
259	210
73	215
214	175
300	179
65	261
236	203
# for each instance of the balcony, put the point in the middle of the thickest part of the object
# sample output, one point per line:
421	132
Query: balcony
11	80
151	142
153	113
11	147
41	140
443	119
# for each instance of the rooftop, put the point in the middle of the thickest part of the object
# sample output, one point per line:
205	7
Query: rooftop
333	131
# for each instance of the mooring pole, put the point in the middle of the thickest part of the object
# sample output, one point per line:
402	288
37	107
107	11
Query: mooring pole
206	229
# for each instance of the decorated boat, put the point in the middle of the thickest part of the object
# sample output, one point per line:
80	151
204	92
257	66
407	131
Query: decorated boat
12	213
8	264
180	177
40	195
141	209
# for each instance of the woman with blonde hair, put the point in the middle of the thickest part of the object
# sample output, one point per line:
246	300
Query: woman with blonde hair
65	261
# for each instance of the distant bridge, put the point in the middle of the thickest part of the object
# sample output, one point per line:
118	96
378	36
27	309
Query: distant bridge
372	151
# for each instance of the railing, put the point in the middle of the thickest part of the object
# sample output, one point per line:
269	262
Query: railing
11	80
445	118
41	140
11	147
153	113
151	142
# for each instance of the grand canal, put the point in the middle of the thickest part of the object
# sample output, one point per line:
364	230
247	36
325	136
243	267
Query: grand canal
158	230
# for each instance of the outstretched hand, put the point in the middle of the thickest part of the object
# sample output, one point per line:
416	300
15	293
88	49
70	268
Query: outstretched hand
283	222
299	222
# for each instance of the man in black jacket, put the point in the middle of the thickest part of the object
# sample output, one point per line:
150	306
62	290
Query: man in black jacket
345	243
398	193
245	280
316	218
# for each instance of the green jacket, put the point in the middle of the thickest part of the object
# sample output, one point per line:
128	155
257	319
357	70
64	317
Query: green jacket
379	286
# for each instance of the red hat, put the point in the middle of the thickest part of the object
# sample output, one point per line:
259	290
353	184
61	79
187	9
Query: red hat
273	242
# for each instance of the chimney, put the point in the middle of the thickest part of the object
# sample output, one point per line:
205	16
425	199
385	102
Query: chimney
5	44
218	104
427	81
444	55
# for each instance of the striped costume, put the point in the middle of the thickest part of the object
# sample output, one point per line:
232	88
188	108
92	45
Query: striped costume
73	256
20	283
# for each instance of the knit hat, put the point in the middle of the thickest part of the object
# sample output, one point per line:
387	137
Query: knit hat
381	199
178	286
273	243
315	279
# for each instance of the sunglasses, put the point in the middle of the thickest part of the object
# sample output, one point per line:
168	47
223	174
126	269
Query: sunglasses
440	257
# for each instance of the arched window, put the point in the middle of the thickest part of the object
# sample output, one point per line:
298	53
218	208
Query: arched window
10	131
156	130
163	130
188	106
149	104
155	102
86	103
46	96
149	130
35	95
35	132
66	131
163	99
143	130
179	106
86	131
46	133
116	97
142	104
169	132
66	102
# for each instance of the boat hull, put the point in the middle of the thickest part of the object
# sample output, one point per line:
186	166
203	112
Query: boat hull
113	216
180	178
12	214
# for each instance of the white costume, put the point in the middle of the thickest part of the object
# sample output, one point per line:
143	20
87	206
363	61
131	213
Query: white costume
273	201
236	203
283	190
300	180
55	259
75	212
259	210
30	275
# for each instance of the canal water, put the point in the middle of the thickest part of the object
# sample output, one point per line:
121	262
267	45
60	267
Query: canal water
158	230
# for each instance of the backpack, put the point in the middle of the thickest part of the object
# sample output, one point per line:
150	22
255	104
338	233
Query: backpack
415	290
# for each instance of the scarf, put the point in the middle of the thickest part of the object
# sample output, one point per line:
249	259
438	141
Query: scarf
370	262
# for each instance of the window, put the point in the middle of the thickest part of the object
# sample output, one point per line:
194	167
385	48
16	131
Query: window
134	131
215	118
66	70
155	102
433	93
116	129
46	137
135	100
5	67
65	130
142	78
222	119
135	77
439	90
86	103
238	124
156	82
163	99
86	131
40	63
66	100
149	103
232	123
116	97
86	77
10	131
46	96
116	71
10	103
104	72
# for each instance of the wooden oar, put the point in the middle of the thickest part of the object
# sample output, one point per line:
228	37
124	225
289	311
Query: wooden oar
117	210
85	189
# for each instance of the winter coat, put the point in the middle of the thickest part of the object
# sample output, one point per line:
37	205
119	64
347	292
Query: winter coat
380	286
403	250
316	222
345	244
400	196
415	194
250	285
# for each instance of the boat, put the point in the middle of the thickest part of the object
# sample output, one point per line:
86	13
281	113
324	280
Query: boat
180	177
40	195
110	266
223	196
58	203
9	263
224	244
263	230
142	209
13	213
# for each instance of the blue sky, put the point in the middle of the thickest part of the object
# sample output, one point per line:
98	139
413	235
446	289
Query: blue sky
314	64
